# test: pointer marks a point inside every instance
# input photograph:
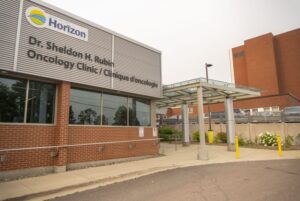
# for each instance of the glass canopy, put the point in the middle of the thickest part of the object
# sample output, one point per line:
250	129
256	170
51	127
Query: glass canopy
213	92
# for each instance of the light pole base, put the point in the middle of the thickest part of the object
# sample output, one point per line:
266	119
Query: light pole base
202	153
185	144
231	147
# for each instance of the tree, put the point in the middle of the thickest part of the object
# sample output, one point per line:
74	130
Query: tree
72	119
120	116
12	102
88	116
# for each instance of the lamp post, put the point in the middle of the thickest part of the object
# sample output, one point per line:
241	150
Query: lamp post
208	106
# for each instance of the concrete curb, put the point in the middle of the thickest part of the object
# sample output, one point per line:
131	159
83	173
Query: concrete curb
104	182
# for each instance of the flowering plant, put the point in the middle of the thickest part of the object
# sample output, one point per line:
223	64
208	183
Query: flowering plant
267	139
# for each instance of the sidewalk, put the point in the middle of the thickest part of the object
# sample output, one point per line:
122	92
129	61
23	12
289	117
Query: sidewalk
48	186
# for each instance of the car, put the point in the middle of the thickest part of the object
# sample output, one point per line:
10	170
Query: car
265	117
291	114
239	115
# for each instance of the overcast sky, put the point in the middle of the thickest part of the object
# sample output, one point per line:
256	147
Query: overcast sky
190	32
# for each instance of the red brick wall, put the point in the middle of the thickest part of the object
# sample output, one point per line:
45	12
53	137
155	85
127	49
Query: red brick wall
267	101
19	136
261	64
94	134
288	61
240	66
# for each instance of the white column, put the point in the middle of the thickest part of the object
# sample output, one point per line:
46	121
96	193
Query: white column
230	124
202	152
185	124
153	113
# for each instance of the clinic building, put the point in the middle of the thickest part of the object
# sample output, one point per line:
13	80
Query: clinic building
72	93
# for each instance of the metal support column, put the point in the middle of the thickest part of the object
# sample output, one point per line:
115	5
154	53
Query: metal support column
230	124
185	124
202	152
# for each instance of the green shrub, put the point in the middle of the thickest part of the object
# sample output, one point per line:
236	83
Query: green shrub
221	137
267	139
288	141
298	139
197	138
169	133
242	142
165	130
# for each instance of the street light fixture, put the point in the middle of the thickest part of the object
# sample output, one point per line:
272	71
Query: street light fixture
208	106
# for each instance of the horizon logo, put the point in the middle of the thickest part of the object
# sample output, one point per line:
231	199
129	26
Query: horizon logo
40	19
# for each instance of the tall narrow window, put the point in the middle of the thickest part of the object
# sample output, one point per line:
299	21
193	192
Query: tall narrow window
84	107
41	102
139	112
114	110
12	99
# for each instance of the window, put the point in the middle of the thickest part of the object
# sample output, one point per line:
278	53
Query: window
12	99
95	108
84	107
238	54
41	99
114	110
39	103
139	112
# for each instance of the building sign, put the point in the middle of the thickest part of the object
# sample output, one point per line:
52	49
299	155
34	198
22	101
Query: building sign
154	132
141	132
35	54
40	19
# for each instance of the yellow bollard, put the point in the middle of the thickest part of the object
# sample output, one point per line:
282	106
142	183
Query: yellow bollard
279	145
237	150
210	136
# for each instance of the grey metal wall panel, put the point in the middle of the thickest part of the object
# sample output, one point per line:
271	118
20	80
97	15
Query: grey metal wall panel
9	13
145	64
130	58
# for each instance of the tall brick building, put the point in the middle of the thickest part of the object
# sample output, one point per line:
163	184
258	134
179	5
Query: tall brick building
270	63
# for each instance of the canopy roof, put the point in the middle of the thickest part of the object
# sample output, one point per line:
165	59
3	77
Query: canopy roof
213	92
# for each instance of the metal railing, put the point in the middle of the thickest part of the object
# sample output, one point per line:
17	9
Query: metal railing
274	117
75	145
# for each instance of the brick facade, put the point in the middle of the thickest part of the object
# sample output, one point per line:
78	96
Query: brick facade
270	63
61	133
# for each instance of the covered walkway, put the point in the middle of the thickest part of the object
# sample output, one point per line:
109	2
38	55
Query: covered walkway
201	92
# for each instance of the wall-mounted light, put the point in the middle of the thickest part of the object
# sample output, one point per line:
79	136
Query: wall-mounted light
54	153
131	145
3	158
101	148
